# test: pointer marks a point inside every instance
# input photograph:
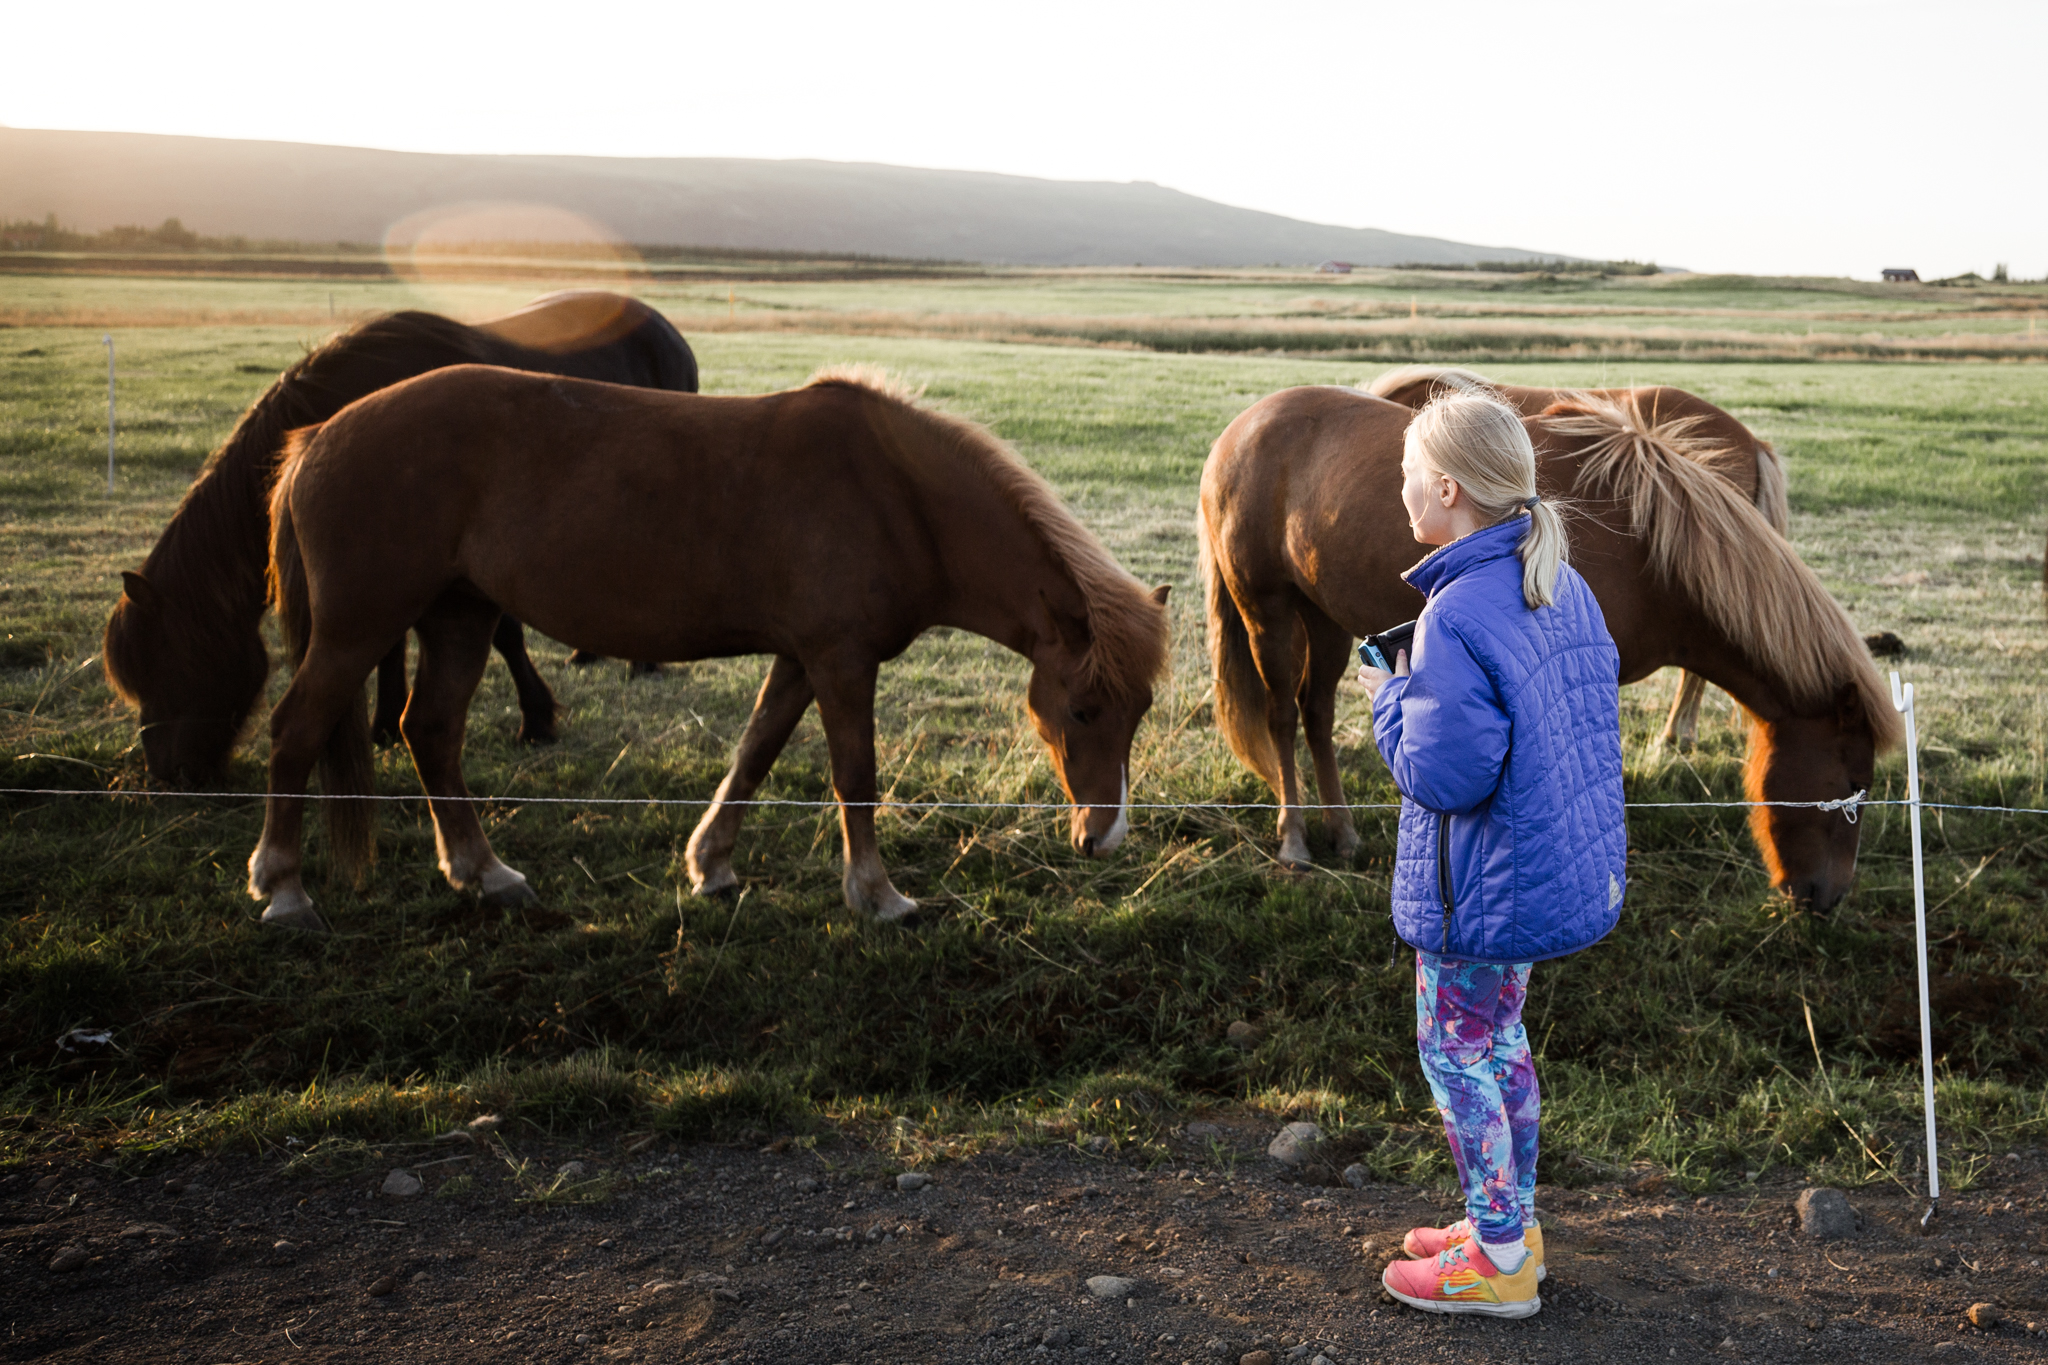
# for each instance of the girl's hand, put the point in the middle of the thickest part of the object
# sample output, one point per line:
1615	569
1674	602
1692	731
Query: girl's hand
1373	679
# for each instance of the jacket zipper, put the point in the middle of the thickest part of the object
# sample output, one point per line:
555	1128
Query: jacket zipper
1443	873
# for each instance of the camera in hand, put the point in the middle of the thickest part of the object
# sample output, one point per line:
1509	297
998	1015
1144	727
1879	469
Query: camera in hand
1379	650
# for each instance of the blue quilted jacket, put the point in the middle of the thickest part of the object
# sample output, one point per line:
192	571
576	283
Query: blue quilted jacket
1505	741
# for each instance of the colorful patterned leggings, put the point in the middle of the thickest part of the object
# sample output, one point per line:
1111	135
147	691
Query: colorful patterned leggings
1475	1054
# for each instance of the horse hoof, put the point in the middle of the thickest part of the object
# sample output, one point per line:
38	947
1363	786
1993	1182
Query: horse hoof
897	909
583	658
305	919
717	883
512	896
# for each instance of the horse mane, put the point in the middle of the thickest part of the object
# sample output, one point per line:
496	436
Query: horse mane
1706	539
1393	381
1129	638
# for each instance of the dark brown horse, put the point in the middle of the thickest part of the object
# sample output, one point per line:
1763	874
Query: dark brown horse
827	526
1303	539
1732	450
184	643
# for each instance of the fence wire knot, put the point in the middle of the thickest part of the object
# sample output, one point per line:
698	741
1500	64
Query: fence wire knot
1848	804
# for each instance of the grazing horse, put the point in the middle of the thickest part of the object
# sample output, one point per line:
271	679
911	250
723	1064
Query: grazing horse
1735	452
827	526
1303	539
184	644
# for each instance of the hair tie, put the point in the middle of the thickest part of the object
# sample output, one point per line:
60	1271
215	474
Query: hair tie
1529	503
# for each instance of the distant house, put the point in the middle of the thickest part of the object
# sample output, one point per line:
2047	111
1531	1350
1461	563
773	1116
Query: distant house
1901	276
1334	268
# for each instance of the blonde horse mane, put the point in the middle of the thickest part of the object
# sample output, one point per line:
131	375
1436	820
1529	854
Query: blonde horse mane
1129	644
1709	541
1457	377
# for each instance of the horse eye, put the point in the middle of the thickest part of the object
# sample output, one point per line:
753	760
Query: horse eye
1082	715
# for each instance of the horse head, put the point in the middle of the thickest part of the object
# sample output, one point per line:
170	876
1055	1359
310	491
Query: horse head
1086	706
1810	852
194	687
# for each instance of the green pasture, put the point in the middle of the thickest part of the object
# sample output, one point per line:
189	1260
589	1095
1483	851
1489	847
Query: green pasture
1044	997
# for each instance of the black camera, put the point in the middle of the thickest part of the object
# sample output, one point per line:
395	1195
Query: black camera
1379	650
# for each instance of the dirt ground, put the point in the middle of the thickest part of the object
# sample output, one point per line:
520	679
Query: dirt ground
811	1256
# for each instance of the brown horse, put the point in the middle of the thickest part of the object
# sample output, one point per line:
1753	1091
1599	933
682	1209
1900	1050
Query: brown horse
1303	538
184	643
1731	450
828	526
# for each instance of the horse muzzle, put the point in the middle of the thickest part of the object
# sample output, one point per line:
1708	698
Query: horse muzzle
1095	843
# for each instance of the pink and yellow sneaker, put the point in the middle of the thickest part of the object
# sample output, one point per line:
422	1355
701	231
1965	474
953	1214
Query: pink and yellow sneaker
1425	1242
1460	1279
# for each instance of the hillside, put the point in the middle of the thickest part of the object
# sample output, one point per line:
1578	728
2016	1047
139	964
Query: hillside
318	193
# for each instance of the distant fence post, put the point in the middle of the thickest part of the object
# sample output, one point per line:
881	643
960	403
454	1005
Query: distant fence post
1902	698
108	339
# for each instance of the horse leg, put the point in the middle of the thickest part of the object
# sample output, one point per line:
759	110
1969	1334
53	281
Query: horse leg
390	695
846	704
1278	650
455	644
323	688
1329	659
785	696
1682	726
536	702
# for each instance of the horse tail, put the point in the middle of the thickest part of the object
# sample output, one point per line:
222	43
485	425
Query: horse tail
346	762
1240	703
1773	496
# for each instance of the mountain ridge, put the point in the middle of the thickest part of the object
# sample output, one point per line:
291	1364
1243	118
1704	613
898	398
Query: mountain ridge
317	192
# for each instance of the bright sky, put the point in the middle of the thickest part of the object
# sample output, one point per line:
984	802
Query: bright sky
1791	136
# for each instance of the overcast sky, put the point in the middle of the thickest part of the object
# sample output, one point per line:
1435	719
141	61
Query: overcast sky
1794	136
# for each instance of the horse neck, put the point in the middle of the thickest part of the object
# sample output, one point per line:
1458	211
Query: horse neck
999	572
214	552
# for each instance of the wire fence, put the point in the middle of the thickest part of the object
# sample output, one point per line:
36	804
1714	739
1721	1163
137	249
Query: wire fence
1850	806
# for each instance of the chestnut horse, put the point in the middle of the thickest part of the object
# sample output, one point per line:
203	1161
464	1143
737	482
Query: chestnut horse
1303	539
828	526
184	643
1737	454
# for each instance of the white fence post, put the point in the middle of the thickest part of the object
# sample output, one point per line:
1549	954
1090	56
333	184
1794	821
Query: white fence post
1902	698
108	338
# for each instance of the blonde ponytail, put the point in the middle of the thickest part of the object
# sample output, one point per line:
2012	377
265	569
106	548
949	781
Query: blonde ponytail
1476	438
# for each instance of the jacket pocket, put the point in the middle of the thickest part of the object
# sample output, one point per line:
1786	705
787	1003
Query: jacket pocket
1443	873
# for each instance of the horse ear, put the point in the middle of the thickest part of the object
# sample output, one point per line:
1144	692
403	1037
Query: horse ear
1159	593
1073	631
139	589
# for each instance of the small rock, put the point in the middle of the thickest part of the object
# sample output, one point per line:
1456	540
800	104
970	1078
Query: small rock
583	1338
1984	1315
1356	1176
1825	1214
1256	1358
68	1259
171	1186
51	1182
1111	1286
1202	1132
1319	1205
147	1230
726	1294
283	1252
402	1184
1322	1360
572	1170
383	1285
912	1180
1056	1336
1244	1035
809	1186
1295	1143
1097	1145
1219	1348
485	1123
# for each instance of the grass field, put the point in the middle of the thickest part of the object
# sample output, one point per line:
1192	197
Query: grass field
1047	997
